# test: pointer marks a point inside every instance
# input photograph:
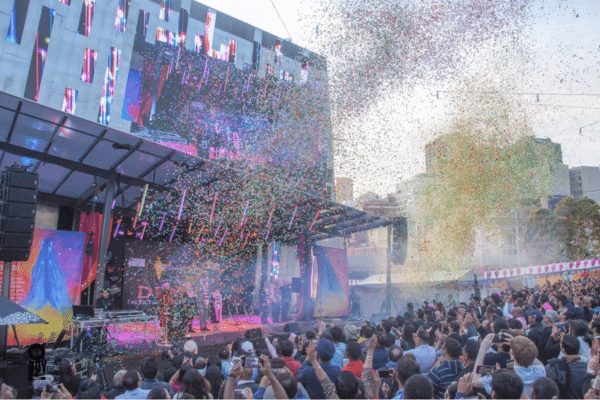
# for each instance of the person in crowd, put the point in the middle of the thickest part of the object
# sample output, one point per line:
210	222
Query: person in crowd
407	367
407	341
67	375
448	369
159	393
190	350
286	349
215	379
306	374
265	370
550	322
544	388
176	380
224	355
194	384
132	381
574	370
469	353
535	326
337	337
395	353
418	387
150	376
424	353
410	312
504	384
88	389
354	355
380	355
118	387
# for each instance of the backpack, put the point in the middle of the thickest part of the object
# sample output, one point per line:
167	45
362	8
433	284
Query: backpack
558	370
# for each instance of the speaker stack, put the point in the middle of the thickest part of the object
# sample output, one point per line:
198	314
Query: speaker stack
18	196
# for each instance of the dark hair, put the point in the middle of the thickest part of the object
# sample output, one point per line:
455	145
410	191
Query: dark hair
596	325
195	384
65	371
346	385
215	379
395	353
454	326
495	298
131	380
472	349
88	389
183	370
186	396
500	324
311	335
158	392
452	348
168	373
368	331
562	299
408	331
224	353
515	324
399	321
213	361
423	334
336	334
570	344
544	388
407	367
381	339
289	383
354	351
149	368
452	389
420	313
287	348
387	325
418	387
579	327
506	385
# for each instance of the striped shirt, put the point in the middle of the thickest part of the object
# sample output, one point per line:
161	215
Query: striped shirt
443	375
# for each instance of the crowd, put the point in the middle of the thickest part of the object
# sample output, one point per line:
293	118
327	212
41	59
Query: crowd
536	343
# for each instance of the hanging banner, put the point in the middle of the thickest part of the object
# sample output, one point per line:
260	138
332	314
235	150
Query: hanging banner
332	282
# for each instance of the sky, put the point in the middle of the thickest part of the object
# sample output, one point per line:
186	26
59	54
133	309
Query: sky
558	62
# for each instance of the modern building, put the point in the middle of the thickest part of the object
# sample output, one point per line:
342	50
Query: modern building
344	189
407	193
585	182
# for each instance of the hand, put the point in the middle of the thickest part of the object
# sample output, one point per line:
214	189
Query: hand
385	389
465	385
555	332
311	353
377	380
264	382
265	365
236	368
372	344
64	392
45	395
487	342
468	321
247	393
591	394
595	347
187	360
594	363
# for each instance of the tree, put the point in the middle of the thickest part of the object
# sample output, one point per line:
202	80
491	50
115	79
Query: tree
543	237
580	230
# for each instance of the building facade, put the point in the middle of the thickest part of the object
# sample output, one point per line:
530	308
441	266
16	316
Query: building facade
585	182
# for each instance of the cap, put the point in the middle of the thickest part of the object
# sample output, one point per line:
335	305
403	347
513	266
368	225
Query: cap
537	314
325	349
351	332
247	347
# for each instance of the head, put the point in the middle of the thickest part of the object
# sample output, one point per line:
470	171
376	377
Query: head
149	368
506	385
418	387
523	351
471	350
88	389
395	353
451	391
132	380
422	336
407	367
289	383
215	379
223	353
595	326
200	363
195	384
451	349
517	312
190	347
570	345
381	339
544	388
336	334
118	378
534	317
104	293
353	351
287	348
158	393
346	385
561	300
325	350
550	317
579	328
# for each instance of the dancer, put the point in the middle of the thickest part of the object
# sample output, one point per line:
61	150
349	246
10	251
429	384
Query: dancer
165	302
217	299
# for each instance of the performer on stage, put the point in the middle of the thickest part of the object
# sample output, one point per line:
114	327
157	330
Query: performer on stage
217	299
105	302
203	302
165	302
275	304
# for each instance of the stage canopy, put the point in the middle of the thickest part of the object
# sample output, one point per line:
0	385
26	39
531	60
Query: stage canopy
76	158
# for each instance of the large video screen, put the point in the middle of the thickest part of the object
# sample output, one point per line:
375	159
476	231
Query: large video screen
198	101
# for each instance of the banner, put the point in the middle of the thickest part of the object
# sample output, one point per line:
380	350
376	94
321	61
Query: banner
332	282
48	284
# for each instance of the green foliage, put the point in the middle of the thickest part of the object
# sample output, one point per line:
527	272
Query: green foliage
580	229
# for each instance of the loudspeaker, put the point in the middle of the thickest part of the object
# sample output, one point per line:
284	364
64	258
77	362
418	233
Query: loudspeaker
18	196
296	285
253	333
291	327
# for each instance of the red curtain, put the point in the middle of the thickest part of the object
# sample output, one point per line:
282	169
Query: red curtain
89	222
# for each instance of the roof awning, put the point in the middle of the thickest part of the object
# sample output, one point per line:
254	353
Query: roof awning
75	159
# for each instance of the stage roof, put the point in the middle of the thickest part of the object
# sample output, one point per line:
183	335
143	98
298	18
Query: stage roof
74	158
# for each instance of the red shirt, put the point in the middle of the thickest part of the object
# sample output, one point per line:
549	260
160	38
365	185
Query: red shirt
355	367
292	365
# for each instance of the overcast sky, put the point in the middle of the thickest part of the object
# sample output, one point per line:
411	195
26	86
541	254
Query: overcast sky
562	48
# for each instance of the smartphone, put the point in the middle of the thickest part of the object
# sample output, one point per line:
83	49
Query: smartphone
485	369
277	371
51	388
510	364
251	362
385	373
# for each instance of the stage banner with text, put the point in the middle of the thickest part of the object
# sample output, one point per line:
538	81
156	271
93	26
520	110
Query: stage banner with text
332	282
48	284
148	265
